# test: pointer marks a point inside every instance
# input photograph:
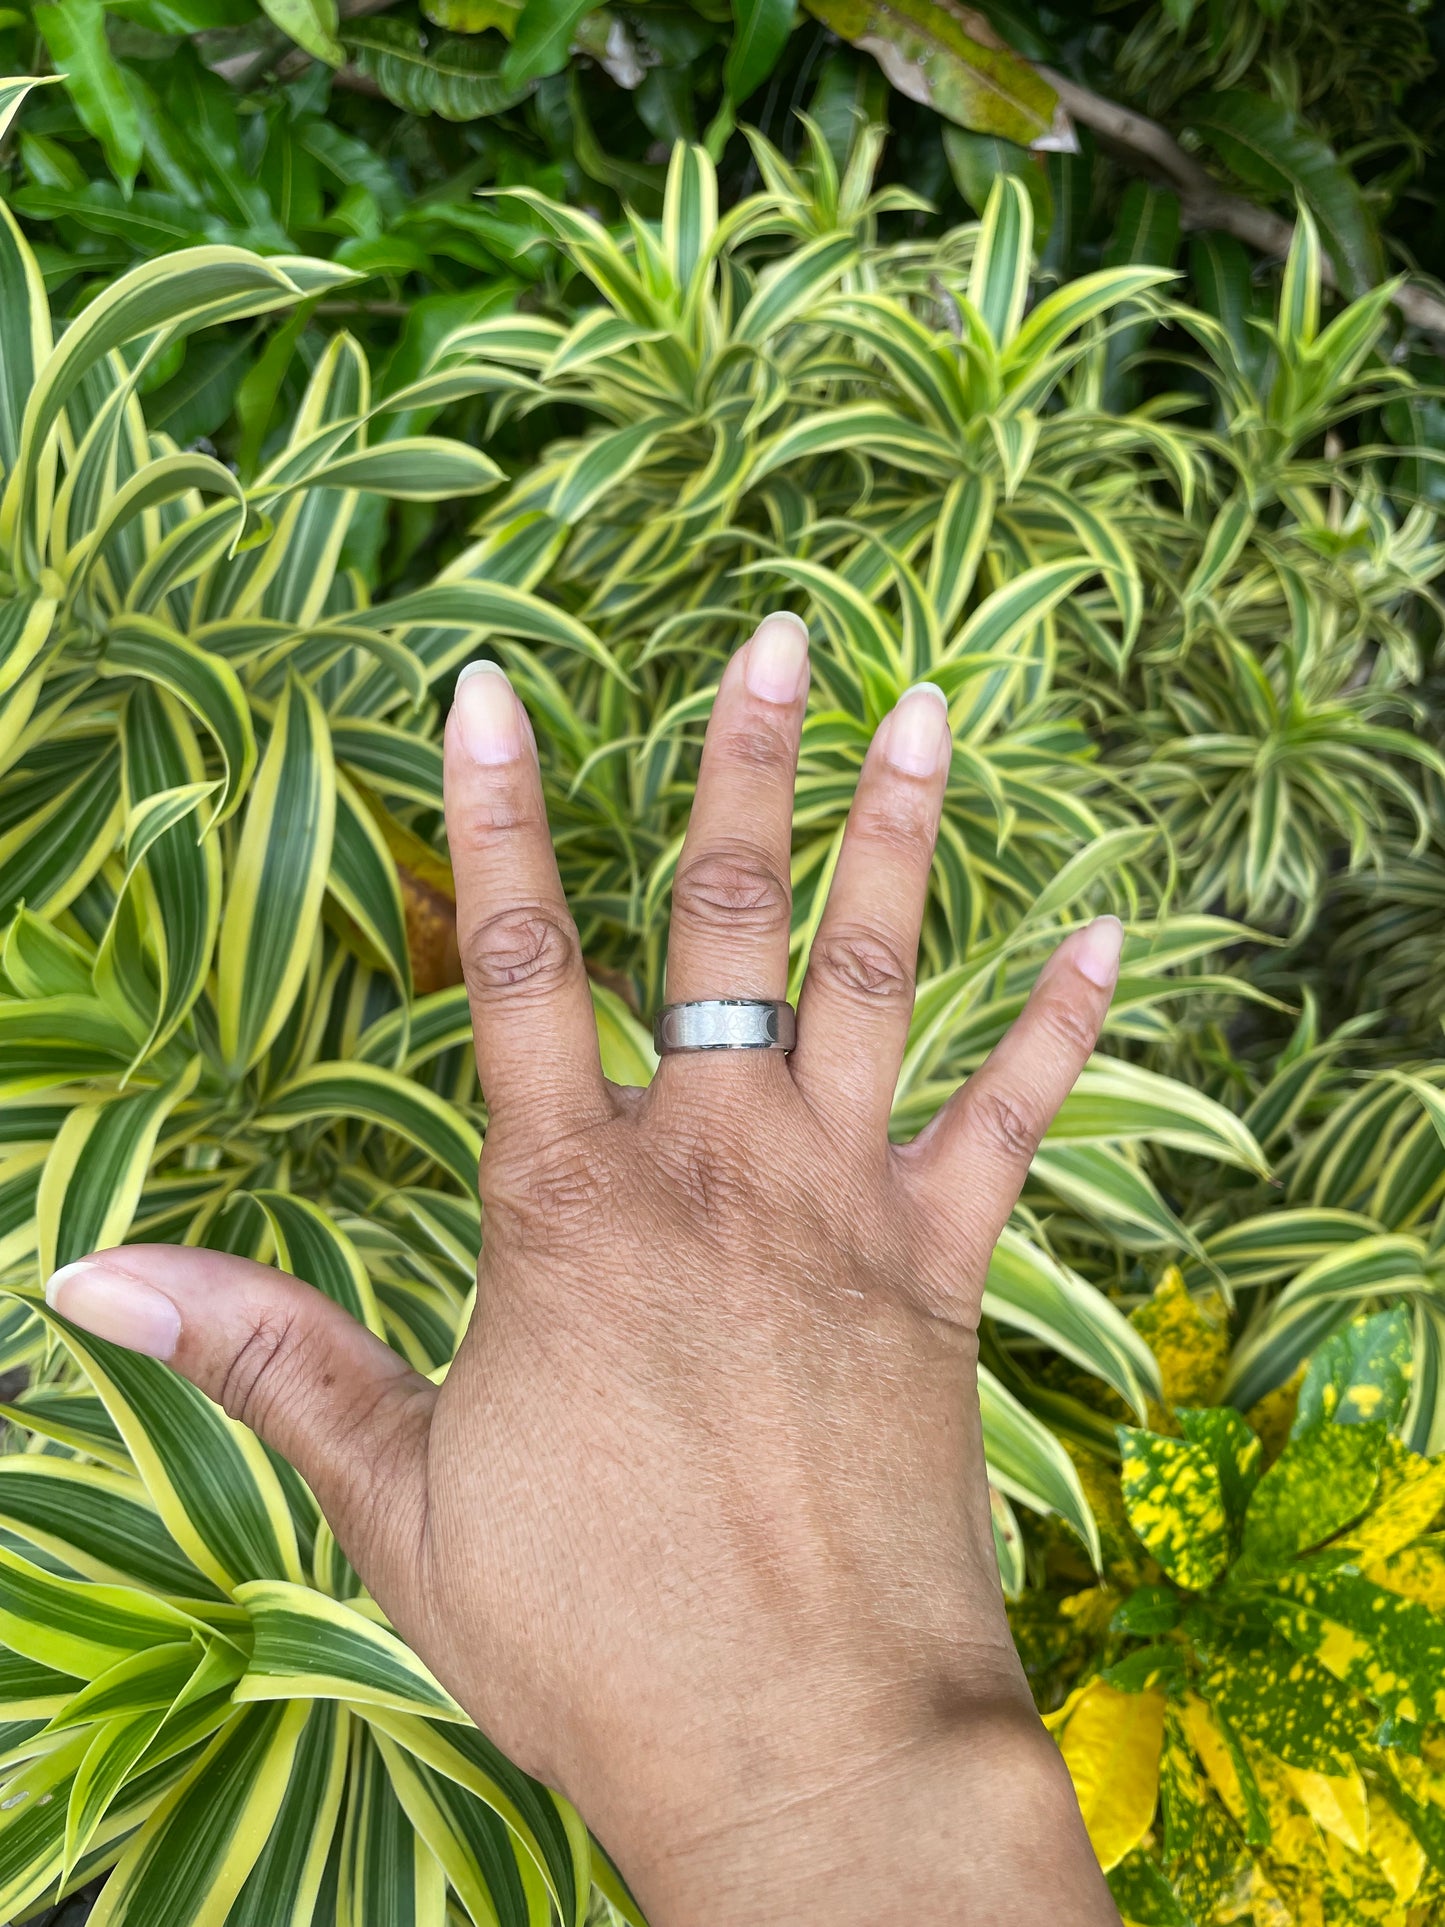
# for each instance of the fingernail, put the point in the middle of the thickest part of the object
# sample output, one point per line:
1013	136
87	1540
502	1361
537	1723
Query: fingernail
917	738
493	723
112	1304
1097	952
777	665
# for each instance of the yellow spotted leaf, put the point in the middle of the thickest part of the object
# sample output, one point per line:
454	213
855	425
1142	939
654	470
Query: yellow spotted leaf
1409	1495
1335	1801
1416	1571
1189	1337
1201	1729
1388	1647
1111	1744
1175	1502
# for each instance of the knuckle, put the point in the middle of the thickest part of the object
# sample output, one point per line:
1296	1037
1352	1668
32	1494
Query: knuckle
1008	1124
544	1196
265	1369
533	948
1069	1027
863	964
759	745
899	823
495	817
713	1184
733	889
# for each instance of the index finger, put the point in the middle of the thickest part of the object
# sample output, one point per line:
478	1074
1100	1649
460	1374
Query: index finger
536	1034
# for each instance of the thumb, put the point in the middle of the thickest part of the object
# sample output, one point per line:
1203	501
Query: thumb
284	1359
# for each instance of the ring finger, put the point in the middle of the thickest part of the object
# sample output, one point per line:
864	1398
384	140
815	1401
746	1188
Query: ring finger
732	895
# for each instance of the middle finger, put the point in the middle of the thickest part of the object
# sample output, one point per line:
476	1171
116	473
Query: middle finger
732	895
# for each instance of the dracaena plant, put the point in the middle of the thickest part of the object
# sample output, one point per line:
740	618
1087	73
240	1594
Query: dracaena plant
205	927
923	460
1250	1701
811	422
1274	720
1359	1225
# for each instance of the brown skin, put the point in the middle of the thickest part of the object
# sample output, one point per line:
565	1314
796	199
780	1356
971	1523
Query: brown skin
697	1527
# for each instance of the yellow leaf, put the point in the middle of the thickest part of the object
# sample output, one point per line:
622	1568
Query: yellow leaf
1188	1337
1061	1715
1090	1610
1335	1801
1203	1734
1395	1850
1111	1744
1268	1907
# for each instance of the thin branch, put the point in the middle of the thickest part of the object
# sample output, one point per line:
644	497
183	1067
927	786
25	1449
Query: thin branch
1203	202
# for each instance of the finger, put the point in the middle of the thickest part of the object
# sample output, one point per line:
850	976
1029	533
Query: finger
532	1016
858	994
974	1156
319	1388
732	895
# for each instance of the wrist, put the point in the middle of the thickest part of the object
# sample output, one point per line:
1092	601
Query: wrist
971	1817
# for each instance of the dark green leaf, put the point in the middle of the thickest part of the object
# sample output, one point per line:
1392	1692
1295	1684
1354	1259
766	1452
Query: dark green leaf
1274	151
1360	1375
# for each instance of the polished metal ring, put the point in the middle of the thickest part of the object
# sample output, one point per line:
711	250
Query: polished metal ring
724	1023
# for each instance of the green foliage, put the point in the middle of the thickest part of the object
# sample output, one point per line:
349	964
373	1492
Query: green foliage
1159	524
364	133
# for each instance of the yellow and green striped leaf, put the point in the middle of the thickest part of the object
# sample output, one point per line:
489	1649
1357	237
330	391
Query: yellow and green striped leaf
97	1168
389	1876
208	1477
143	647
547	1828
76	1626
282	1887
100	1522
497	1883
311	1245
383	1098
1026	1462
277	881
191	1859
311	1647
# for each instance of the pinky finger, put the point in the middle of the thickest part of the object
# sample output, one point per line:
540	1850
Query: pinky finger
975	1155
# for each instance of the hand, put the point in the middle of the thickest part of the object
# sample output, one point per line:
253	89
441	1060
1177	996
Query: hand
697	1527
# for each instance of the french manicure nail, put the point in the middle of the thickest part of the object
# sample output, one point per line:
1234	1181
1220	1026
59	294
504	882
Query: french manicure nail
917	738
777	662
1097	952
493	723
112	1304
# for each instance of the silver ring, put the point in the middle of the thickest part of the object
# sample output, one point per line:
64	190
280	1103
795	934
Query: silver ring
724	1023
